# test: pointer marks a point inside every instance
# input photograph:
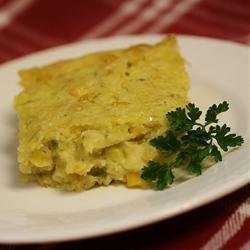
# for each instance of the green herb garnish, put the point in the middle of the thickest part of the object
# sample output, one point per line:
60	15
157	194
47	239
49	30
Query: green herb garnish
189	142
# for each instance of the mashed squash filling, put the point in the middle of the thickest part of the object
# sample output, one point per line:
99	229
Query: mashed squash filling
87	121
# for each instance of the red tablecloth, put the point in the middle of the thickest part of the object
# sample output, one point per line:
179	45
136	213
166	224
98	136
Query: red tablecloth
32	25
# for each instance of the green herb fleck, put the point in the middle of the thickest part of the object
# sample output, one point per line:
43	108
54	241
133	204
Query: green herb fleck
98	171
53	144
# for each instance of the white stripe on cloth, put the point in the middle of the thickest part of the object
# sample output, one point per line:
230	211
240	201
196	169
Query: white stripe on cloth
126	9
11	10
174	14
148	14
232	225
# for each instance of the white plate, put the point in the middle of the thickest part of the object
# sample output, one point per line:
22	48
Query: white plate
219	71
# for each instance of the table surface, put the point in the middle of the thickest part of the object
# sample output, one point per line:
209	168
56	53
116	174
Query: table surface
27	26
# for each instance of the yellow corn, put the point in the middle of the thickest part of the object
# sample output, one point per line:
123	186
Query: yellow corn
135	180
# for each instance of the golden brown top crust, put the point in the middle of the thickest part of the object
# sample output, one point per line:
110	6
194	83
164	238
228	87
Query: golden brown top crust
103	98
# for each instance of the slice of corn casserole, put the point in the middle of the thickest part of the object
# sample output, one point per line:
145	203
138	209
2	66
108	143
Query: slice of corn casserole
87	121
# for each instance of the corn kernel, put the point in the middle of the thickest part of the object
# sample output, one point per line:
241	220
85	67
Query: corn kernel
135	180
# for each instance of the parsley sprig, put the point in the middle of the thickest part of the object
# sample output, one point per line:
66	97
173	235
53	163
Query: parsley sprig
189	142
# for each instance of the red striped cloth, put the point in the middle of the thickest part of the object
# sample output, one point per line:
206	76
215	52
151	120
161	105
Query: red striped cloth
32	25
